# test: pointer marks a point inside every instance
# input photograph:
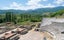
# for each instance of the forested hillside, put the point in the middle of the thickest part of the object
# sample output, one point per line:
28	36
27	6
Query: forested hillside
36	11
20	18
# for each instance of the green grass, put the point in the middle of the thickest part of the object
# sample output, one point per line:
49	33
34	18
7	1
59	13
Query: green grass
27	23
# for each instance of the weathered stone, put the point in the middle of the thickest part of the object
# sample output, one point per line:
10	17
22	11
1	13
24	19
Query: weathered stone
54	26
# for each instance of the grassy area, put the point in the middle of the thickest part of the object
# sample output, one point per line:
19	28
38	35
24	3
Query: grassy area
27	23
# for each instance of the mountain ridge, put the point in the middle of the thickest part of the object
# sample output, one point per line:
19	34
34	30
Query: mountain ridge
39	10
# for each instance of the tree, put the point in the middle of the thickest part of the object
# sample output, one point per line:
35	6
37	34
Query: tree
10	17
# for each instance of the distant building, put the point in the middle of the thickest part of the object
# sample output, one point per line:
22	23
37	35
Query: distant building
55	26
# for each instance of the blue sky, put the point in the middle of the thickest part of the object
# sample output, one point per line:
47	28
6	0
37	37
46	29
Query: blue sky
30	4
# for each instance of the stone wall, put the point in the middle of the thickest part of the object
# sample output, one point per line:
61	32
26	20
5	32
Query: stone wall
54	26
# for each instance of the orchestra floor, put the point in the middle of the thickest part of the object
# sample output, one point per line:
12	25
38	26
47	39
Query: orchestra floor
32	35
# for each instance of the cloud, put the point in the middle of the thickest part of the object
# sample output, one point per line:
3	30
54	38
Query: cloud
31	4
50	5
15	5
44	0
59	2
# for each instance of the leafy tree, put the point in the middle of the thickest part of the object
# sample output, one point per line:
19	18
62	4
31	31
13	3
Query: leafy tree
10	17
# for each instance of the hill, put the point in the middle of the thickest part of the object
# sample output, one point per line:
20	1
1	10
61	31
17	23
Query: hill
38	11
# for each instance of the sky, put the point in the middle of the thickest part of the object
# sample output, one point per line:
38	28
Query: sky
29	4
